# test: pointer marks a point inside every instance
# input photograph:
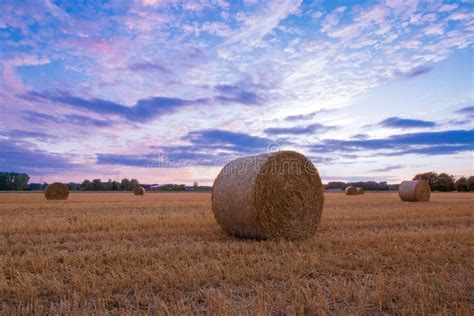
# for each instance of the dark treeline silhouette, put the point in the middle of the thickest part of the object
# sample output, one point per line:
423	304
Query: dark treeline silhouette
12	181
438	182
367	185
445	182
98	185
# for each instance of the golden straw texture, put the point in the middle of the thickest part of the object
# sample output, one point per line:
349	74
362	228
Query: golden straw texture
139	191
277	196
56	191
351	191
414	191
360	190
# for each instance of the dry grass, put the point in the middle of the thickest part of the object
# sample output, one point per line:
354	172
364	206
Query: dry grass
164	253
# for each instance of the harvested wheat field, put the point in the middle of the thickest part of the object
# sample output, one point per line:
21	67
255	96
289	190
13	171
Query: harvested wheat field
165	254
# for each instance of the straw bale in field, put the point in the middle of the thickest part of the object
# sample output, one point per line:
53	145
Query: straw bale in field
351	191
139	191
56	191
276	195
414	191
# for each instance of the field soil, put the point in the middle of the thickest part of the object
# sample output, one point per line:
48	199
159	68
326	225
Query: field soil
163	253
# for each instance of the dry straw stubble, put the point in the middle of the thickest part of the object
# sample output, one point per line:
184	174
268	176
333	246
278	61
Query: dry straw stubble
56	191
276	195
414	191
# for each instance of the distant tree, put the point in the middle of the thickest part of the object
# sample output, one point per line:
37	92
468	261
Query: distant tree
13	181
97	185
3	181
108	186
74	186
86	185
20	181
173	187
430	177
125	184
461	185
382	186
115	186
195	185
334	185
133	184
445	182
470	183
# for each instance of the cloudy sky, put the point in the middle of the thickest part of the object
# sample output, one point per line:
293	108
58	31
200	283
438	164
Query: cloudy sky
169	91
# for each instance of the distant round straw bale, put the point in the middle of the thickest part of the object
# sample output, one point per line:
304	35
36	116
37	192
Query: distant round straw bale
269	196
351	191
360	190
139	191
56	191
414	191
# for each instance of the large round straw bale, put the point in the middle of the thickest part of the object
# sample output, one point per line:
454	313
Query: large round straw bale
350	190
360	190
56	191
414	191
139	191
276	195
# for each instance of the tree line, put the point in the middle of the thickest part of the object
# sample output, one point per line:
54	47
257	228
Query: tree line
444	182
366	185
12	181
438	182
98	185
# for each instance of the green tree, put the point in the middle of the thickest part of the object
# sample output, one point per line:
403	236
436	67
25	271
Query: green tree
86	185
108	185
13	181
461	185
470	183
133	184
97	185
445	182
125	184
3	181
115	186
430	177
20	181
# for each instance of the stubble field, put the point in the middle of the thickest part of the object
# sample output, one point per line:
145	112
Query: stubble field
165	254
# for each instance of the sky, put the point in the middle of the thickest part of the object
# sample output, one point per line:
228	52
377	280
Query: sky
170	91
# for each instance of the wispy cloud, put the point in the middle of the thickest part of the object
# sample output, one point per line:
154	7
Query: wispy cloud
22	157
398	122
412	73
433	143
308	116
256	25
144	110
41	118
299	130
207	148
388	168
469	111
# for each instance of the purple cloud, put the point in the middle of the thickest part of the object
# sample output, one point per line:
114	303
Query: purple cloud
434	143
143	111
149	67
397	122
23	157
